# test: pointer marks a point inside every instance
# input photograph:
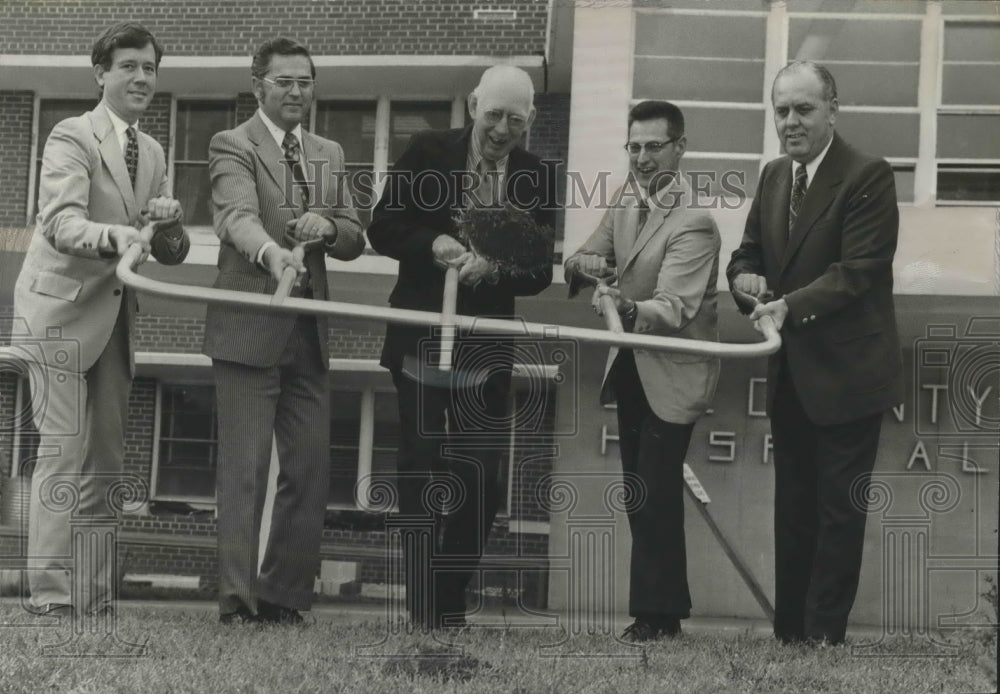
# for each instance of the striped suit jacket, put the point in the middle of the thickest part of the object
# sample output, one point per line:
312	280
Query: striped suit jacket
254	196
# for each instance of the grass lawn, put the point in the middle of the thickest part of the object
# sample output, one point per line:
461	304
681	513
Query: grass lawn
186	650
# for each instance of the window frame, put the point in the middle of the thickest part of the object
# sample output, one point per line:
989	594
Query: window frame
172	159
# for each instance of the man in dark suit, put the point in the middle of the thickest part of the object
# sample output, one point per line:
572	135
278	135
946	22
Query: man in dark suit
269	177
102	182
438	174
819	241
664	249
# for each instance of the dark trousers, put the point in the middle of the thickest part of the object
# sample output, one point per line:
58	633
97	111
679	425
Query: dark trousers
821	477
653	450
290	403
450	449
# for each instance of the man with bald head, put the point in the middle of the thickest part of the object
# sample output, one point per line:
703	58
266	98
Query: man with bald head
455	429
816	257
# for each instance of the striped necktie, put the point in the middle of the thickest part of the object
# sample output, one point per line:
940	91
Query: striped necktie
131	154
798	193
293	157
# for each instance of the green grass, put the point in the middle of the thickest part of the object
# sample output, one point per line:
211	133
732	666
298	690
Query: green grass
186	650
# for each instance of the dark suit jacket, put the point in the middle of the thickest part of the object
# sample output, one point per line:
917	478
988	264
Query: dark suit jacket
834	270
253	195
405	224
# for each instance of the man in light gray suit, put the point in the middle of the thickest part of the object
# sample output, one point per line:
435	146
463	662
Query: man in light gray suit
664	250
103	182
269	177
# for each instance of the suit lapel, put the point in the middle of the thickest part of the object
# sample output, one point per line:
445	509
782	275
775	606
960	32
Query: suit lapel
818	197
144	173
778	231
270	155
659	210
113	158
317	165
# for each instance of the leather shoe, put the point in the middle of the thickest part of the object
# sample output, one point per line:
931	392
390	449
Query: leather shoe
242	615
50	609
643	629
269	613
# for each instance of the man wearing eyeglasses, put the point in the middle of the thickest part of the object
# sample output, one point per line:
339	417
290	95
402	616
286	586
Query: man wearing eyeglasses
274	185
481	165
663	251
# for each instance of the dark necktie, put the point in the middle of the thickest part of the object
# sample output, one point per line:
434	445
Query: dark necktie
131	154
798	193
293	157
485	194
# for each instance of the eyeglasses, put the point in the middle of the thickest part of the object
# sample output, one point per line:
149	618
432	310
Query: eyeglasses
286	83
635	148
514	122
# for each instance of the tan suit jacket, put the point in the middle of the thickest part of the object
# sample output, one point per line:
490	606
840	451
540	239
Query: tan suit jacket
65	282
670	268
254	198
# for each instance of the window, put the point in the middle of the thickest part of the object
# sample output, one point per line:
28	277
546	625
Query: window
50	112
968	115
187	446
876	61
711	65
352	125
367	128
196	122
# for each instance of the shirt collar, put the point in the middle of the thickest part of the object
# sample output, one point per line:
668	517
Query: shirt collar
476	156
277	133
119	125
813	165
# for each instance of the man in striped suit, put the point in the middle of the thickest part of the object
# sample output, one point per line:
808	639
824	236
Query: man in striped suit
269	177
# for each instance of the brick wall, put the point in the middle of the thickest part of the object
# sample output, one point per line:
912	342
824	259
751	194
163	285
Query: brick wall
550	141
155	121
235	27
15	155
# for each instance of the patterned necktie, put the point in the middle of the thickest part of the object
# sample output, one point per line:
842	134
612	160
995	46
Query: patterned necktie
131	154
798	192
293	157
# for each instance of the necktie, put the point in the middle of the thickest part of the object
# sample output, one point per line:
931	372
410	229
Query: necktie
643	208
293	157
485	194
131	154
798	193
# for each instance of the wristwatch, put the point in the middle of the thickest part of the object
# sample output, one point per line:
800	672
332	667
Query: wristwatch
629	315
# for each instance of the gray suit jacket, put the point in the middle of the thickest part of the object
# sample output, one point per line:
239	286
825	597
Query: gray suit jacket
670	268
254	197
65	283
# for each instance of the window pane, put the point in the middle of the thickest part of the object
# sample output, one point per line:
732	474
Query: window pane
733	179
197	122
694	36
51	111
972	85
972	40
724	130
844	39
881	134
345	437
904	182
968	183
352	125
679	79
969	136
409	117
193	189
361	180
187	447
858	6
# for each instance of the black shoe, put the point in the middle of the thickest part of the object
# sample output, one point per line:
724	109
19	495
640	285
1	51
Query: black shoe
269	613
49	609
242	615
652	630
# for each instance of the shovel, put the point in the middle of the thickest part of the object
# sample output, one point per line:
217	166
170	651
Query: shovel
611	318
299	250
